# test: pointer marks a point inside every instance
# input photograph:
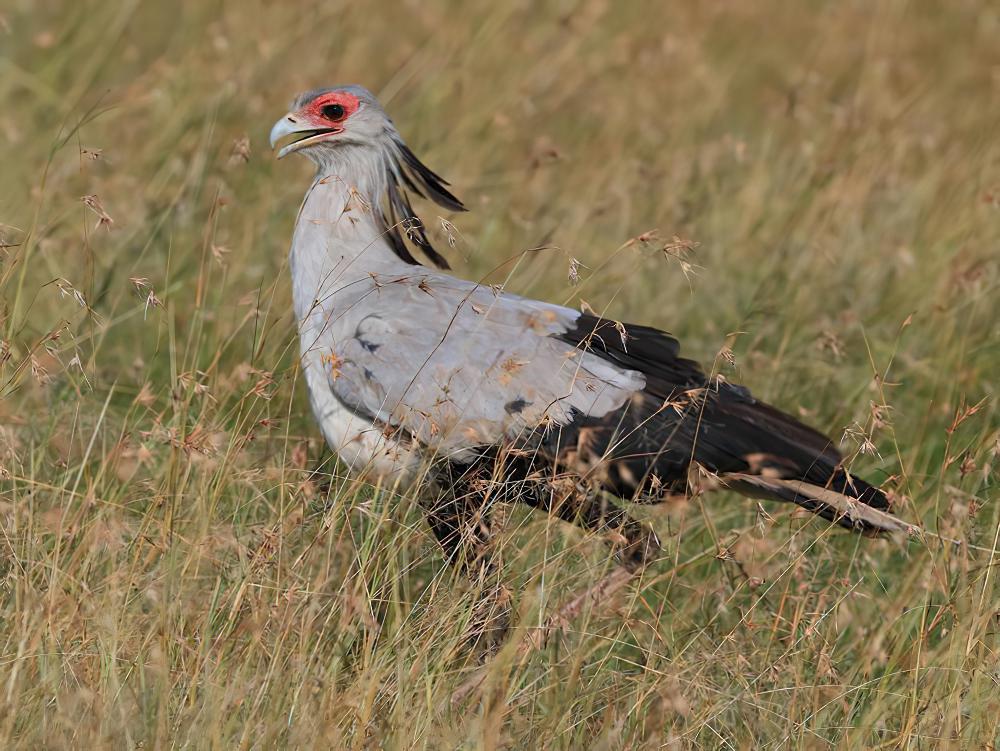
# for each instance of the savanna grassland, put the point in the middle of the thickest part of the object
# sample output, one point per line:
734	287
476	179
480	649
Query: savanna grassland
807	194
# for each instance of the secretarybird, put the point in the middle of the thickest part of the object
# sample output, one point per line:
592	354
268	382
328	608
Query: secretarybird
414	374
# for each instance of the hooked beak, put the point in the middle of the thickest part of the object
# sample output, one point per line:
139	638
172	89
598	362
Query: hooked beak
306	134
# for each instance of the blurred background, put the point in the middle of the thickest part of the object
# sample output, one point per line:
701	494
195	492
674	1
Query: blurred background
808	195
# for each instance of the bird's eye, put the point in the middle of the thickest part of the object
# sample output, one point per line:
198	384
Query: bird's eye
332	111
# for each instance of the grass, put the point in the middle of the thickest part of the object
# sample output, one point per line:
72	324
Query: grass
172	577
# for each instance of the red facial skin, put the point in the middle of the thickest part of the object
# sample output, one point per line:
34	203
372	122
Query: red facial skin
313	112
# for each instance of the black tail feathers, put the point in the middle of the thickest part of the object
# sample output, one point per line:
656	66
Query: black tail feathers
848	501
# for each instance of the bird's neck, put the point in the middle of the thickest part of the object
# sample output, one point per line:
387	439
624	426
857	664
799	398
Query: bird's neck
338	239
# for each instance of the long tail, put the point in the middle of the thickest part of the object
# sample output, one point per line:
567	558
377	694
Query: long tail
799	465
750	446
861	508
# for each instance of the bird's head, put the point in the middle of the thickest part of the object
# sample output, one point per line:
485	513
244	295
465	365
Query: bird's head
344	128
326	119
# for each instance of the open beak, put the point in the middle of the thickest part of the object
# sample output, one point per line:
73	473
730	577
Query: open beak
303	133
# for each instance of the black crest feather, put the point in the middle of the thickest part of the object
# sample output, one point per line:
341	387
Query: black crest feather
398	215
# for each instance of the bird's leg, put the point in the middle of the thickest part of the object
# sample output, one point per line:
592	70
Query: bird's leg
461	527
635	543
459	518
638	546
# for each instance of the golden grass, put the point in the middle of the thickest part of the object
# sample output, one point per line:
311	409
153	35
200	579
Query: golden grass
172	577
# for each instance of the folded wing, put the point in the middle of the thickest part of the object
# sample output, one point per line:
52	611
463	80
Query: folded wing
458	366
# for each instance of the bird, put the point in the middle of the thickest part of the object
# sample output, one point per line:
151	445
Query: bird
480	396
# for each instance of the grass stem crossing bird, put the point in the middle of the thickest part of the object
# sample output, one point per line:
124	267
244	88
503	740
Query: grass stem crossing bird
413	373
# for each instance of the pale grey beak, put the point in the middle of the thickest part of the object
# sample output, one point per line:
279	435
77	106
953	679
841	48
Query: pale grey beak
291	125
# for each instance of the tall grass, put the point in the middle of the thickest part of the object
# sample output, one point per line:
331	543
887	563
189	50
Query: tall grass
174	573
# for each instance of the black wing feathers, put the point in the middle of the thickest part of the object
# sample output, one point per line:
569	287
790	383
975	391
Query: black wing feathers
683	416
652	352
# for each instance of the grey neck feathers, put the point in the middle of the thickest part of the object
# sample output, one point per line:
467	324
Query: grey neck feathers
384	176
